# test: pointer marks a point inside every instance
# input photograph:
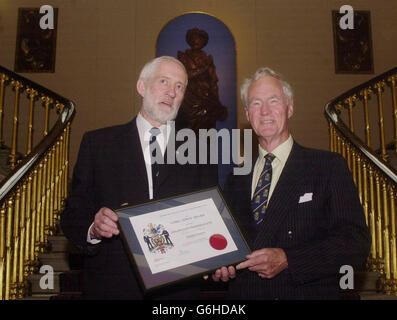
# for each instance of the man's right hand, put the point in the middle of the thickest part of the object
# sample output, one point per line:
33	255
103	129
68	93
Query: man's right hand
224	274
104	224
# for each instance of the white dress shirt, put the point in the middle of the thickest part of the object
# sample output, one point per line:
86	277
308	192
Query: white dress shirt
144	127
281	154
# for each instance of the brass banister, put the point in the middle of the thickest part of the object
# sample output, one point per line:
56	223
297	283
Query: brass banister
32	195
375	177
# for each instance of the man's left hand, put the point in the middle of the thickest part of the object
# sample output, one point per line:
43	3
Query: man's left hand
267	262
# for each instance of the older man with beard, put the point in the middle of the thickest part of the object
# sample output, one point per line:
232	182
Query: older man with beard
114	169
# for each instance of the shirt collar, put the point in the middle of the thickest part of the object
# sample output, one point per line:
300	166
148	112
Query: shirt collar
281	152
144	126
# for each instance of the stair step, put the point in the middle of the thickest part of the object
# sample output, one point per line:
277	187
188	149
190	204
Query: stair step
59	243
376	296
70	281
39	297
68	296
35	284
59	261
366	281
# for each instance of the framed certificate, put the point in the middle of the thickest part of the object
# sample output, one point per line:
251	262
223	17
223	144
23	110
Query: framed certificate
182	237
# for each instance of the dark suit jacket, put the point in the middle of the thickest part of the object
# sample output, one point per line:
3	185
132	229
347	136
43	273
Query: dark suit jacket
110	171
318	236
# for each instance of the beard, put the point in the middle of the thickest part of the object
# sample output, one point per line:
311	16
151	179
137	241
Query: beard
157	114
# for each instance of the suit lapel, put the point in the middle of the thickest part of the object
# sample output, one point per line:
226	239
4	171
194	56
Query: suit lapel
131	151
284	198
241	197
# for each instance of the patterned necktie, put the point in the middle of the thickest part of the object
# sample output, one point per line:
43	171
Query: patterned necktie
156	158
261	195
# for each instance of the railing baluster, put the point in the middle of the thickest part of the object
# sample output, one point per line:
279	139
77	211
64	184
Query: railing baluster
386	243
354	166
29	228
38	211
65	161
379	87
63	153
393	244
349	157
23	236
2	250
52	191
47	101
365	94
372	220
392	82
42	169
8	264
57	179
32	96
17	87
67	147
350	103
365	191
47	229
379	230
3	80
359	178
34	216
15	242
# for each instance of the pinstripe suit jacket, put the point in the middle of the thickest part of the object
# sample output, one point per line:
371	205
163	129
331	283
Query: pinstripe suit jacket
318	236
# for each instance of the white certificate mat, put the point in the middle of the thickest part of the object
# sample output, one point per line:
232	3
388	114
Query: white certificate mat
182	235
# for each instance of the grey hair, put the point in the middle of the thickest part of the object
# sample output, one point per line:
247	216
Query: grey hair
262	72
149	68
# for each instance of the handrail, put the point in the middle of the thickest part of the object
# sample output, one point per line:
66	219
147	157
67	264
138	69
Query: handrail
32	195
67	114
375	178
364	85
332	115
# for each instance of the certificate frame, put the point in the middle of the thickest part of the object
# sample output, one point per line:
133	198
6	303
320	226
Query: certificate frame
141	260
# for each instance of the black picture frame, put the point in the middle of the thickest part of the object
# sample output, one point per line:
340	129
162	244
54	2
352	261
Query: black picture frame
152	281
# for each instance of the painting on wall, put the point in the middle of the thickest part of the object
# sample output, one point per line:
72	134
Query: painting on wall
35	45
353	46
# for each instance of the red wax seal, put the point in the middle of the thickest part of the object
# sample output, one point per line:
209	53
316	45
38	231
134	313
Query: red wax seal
218	242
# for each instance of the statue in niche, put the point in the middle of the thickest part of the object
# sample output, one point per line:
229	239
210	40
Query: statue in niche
201	107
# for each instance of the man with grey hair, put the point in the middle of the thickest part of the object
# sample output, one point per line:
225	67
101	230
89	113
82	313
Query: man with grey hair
299	207
115	169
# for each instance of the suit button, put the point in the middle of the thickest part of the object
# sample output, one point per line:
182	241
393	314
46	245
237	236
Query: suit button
290	234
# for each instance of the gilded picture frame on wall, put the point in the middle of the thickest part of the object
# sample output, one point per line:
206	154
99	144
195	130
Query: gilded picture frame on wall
353	44
35	45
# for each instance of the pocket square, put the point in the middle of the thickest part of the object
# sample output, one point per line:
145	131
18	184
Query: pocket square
306	197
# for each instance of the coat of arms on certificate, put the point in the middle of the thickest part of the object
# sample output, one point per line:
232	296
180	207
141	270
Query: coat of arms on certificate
157	238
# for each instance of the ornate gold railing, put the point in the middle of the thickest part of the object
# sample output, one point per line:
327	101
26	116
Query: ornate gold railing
365	150
32	194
